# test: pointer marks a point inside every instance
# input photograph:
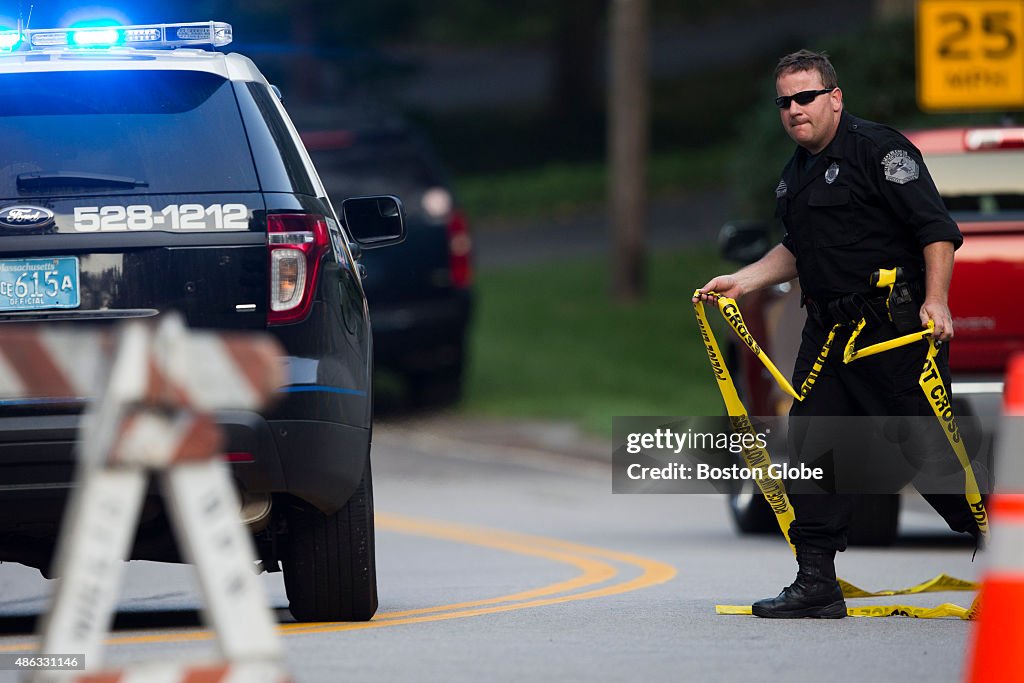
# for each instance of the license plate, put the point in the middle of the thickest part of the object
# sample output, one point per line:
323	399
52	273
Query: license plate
33	284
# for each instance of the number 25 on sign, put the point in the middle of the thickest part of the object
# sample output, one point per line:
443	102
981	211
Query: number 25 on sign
970	54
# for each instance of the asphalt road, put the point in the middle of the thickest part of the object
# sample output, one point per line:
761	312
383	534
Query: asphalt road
501	563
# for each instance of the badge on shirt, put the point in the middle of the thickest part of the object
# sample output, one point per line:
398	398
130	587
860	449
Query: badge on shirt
900	167
781	189
831	173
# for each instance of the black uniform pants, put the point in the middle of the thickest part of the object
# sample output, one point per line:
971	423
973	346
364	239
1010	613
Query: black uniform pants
880	385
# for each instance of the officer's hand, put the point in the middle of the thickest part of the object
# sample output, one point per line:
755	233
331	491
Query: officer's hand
938	313
725	285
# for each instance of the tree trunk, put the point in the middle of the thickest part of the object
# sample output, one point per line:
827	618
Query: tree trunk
628	139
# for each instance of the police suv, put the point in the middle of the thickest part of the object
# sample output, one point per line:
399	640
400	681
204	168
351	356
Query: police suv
141	172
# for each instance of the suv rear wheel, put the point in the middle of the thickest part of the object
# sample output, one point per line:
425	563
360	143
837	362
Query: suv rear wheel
437	388
328	562
750	512
440	384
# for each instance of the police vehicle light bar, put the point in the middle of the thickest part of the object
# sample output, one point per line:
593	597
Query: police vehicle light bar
9	40
204	33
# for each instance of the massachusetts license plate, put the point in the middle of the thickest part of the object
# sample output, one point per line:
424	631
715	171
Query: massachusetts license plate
32	284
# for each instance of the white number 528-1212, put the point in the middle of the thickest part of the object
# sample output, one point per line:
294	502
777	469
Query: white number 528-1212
174	217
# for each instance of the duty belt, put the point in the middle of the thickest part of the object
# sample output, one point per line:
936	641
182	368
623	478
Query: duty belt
847	309
874	308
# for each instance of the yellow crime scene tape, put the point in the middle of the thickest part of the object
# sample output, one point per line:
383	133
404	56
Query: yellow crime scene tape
774	490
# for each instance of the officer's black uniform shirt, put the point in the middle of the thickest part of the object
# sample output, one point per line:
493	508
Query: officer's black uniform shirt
866	202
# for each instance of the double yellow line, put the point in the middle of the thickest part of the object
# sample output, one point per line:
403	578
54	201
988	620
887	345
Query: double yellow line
595	565
597	568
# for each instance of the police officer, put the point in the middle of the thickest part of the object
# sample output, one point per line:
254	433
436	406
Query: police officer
854	198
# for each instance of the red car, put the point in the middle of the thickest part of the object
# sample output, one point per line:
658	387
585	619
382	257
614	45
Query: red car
980	174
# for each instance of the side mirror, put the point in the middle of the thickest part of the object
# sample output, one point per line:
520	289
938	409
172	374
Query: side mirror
744	241
374	221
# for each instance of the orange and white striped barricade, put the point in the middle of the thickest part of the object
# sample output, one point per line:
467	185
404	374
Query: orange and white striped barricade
152	416
998	638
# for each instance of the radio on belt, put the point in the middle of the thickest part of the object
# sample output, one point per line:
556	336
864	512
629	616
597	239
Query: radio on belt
902	312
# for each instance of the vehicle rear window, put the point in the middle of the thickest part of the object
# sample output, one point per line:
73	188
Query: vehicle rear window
980	186
175	131
280	164
986	206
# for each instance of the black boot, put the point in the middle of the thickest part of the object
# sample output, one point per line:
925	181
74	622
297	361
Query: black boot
815	593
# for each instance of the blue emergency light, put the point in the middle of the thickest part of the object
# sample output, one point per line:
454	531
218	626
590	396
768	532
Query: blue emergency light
152	36
9	40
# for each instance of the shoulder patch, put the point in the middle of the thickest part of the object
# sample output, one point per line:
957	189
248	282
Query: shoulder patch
900	167
781	189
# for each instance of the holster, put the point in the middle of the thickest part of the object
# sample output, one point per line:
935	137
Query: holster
903	309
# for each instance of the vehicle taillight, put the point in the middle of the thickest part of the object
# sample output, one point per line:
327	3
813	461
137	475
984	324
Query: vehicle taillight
460	248
297	242
993	138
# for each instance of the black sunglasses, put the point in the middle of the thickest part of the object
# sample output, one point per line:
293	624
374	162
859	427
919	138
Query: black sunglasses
802	98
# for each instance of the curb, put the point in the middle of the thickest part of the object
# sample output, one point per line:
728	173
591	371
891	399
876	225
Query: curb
528	438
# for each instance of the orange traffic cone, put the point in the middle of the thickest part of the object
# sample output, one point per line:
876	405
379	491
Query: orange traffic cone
998	643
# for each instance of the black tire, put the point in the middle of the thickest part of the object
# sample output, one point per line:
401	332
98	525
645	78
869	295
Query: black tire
750	511
437	389
330	572
875	520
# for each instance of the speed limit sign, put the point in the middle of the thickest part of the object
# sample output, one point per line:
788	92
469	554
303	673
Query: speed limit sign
970	54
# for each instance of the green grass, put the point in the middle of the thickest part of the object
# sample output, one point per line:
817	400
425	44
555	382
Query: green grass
548	343
562	187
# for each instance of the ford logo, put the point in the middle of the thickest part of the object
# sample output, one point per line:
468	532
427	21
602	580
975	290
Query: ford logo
25	217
